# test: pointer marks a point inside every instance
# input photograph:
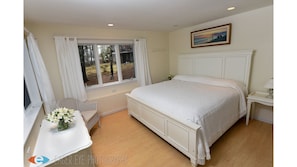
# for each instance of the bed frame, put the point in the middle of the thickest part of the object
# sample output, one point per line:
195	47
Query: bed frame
180	133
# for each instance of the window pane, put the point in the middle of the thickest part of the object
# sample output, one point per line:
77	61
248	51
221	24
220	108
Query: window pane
88	65
27	100
127	61
108	65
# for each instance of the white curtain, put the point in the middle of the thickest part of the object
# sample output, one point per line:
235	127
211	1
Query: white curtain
141	62
70	68
43	81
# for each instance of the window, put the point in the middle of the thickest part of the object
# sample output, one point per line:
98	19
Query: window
32	100
27	100
105	63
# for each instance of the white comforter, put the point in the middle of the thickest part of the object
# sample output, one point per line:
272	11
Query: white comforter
215	104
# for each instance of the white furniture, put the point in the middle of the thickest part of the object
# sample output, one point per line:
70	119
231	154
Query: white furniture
71	147
88	110
183	134
257	97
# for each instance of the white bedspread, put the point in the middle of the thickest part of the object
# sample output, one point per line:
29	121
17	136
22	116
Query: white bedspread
214	104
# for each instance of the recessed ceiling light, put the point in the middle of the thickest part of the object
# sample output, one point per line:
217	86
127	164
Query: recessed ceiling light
231	8
110	25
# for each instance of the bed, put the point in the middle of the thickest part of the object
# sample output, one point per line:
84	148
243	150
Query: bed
198	105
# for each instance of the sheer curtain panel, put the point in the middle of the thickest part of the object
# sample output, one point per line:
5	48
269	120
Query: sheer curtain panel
43	81
70	68
141	62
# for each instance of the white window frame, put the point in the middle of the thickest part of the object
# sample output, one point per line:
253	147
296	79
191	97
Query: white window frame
31	112
116	43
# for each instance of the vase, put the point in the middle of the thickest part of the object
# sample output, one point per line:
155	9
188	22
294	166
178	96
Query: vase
62	125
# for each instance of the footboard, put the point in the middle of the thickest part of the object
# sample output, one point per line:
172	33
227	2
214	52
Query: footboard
180	134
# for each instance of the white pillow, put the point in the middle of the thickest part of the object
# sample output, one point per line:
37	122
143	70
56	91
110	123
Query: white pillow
212	81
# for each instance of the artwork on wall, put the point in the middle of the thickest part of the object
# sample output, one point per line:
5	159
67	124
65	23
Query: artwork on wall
219	35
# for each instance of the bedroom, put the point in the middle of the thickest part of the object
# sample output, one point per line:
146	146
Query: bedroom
163	49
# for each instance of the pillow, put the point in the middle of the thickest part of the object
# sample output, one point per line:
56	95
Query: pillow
213	81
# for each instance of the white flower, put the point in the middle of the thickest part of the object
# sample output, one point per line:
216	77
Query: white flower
60	113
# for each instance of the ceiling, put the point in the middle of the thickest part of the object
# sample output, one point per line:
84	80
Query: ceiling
152	15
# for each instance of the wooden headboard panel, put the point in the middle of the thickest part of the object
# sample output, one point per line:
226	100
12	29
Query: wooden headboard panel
234	65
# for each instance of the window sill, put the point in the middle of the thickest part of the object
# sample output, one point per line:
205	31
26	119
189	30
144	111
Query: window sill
30	116
114	89
112	84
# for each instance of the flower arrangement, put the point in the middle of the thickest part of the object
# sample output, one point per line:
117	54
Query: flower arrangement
170	77
62	113
62	116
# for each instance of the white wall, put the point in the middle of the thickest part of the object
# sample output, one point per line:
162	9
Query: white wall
250	30
110	98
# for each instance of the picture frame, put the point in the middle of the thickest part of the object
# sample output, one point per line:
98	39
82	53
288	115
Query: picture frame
219	35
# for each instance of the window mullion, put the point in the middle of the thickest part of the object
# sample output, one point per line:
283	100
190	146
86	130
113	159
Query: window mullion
118	60
97	62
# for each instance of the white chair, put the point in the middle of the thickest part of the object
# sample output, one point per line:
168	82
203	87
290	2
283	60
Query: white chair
88	110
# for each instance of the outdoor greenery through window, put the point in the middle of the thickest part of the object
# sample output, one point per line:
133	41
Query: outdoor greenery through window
106	63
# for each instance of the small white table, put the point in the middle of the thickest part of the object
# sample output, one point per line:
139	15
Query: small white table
257	97
71	147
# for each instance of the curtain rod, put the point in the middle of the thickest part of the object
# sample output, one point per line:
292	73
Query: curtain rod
96	39
26	30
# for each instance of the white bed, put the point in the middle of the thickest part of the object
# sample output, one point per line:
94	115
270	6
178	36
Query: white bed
201	103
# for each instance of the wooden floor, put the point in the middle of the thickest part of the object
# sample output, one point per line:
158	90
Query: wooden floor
123	141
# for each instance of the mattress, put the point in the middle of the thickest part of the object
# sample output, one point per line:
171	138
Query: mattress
214	104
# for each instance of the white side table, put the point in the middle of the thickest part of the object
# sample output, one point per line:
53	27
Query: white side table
257	97
71	147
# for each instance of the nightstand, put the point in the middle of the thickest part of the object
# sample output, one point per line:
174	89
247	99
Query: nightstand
257	97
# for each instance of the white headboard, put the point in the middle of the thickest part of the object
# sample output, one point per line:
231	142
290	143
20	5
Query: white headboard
234	65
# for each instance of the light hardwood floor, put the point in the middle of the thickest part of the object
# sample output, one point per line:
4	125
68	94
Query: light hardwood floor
122	141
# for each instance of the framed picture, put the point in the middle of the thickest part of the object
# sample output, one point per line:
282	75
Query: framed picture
219	35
